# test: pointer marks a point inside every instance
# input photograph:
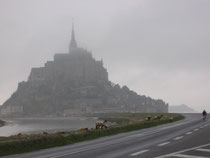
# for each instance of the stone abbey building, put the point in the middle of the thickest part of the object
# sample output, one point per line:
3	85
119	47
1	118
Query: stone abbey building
74	84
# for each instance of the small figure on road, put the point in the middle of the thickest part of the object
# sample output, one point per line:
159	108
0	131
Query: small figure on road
204	114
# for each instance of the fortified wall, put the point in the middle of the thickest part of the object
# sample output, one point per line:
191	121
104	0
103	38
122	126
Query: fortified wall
77	66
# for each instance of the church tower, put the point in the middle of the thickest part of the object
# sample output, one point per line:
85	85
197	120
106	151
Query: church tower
73	44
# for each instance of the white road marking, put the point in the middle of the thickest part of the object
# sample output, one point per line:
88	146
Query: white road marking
206	150
177	138
139	152
175	153
175	125
196	129
189	133
136	135
87	148
162	144
127	138
201	127
188	156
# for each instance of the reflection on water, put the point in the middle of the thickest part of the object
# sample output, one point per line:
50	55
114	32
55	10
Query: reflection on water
36	125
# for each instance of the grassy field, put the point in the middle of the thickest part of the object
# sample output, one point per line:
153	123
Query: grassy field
124	122
124	118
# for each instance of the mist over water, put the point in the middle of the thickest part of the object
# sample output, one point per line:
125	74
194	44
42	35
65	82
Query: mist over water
38	125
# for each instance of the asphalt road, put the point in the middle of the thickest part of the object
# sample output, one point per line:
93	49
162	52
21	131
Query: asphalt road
189	138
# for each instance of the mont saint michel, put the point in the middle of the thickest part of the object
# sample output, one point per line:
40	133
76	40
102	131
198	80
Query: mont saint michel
75	84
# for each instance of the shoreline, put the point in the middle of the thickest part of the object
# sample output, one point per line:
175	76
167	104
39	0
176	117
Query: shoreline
32	142
35	125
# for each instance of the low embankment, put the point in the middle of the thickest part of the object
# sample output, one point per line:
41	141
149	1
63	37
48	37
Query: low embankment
122	123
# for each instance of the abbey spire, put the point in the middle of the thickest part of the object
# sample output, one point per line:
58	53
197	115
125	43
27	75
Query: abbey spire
73	44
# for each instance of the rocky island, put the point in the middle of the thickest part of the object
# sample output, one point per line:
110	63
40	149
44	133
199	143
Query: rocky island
75	84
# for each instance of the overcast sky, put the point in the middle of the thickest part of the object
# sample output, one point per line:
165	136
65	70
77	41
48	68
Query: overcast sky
158	48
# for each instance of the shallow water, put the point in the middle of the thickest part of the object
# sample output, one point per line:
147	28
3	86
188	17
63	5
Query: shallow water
37	125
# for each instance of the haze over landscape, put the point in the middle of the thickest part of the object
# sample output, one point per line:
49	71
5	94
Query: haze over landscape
156	48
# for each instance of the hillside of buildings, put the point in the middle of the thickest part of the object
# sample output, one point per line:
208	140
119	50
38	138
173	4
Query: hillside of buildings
75	84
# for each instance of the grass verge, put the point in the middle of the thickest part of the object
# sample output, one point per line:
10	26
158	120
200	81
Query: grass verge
25	143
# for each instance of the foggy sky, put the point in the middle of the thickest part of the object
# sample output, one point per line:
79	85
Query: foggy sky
158	48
